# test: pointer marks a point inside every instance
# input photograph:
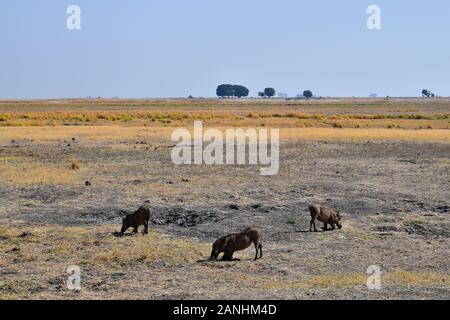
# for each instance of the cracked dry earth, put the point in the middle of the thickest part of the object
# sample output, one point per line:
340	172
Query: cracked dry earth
394	196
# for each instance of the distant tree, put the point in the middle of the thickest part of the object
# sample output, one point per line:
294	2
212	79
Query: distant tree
269	92
307	94
261	94
228	90
240	91
426	93
224	90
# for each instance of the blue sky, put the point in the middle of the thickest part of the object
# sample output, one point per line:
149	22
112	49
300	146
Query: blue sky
173	48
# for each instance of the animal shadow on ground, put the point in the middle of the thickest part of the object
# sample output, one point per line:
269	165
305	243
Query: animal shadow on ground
117	234
322	229
221	261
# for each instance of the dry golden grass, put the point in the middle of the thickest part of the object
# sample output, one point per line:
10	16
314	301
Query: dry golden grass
345	280
41	255
417	278
44	253
21	171
342	112
97	246
365	134
228	118
84	134
114	134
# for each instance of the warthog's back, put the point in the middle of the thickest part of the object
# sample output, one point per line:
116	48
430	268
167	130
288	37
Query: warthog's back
141	215
241	242
322	213
254	233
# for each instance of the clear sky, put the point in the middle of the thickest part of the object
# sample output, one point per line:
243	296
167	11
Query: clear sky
173	48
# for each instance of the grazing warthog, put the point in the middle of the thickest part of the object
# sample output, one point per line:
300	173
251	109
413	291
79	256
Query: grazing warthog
237	242
139	218
325	215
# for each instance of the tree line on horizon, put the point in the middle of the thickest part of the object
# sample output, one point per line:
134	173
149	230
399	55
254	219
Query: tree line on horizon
427	93
239	91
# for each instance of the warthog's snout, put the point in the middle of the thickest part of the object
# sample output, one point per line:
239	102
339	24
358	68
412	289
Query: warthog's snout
339	222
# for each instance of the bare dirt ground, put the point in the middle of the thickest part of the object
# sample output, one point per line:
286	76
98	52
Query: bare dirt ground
394	195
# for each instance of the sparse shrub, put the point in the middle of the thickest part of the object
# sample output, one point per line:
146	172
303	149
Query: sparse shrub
318	116
443	116
74	164
5	117
336	117
308	124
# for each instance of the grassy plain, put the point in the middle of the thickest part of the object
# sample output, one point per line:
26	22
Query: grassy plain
384	163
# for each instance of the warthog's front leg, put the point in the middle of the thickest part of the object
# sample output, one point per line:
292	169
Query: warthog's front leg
312	224
257	248
146	227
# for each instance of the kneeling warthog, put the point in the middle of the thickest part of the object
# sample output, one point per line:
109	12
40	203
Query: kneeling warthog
139	218
237	242
325	215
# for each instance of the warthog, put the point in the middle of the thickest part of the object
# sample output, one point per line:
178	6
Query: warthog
237	242
139	218
325	215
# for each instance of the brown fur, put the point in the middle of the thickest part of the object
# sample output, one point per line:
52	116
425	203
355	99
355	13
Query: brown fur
237	242
139	218
325	215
